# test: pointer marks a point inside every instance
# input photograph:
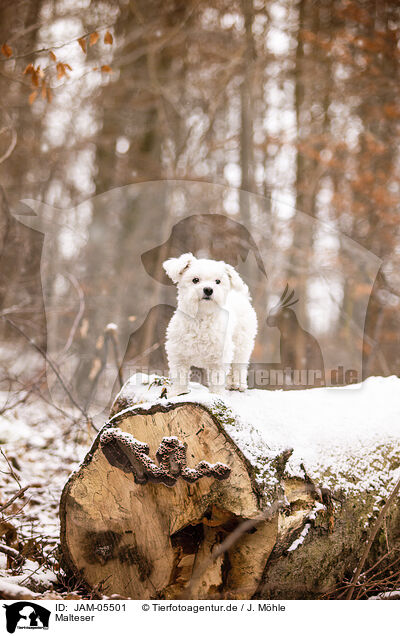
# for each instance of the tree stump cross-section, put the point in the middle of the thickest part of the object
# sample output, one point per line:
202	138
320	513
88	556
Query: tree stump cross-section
144	529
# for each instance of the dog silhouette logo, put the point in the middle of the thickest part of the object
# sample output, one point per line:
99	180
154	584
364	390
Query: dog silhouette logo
26	615
107	301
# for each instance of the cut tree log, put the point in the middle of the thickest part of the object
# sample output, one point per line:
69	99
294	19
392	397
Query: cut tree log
166	483
139	538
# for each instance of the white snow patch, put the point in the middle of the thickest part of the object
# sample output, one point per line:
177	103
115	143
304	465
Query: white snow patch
11	590
392	595
38	578
301	538
312	515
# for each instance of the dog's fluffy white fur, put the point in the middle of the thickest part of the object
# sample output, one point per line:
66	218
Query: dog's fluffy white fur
214	326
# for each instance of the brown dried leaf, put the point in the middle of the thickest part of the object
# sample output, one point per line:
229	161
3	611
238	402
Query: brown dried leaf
29	69
392	111
44	89
93	38
52	56
32	97
60	70
8	532
49	95
6	50
82	44
30	548
35	78
106	69
108	38
67	66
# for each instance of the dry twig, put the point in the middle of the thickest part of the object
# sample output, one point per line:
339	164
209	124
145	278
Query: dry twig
17	495
55	370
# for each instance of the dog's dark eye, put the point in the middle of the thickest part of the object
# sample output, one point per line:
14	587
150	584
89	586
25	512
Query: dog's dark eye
218	281
195	280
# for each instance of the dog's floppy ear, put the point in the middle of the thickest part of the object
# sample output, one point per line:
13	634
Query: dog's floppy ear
175	267
236	282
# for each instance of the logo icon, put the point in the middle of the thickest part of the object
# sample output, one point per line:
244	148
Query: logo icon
26	615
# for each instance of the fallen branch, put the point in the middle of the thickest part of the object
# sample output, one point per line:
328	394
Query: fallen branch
12	553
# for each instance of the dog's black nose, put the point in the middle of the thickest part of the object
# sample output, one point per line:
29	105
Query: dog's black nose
207	291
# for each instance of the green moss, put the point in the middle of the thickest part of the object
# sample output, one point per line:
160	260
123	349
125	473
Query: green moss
324	563
223	413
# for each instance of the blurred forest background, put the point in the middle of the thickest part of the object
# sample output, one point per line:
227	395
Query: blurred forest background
279	118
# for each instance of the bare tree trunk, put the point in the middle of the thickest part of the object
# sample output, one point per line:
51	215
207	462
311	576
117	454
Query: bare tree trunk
246	115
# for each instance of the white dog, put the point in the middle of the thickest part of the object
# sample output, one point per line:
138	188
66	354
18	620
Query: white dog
214	326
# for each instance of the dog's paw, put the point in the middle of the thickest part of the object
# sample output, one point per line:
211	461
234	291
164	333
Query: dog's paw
236	387
231	387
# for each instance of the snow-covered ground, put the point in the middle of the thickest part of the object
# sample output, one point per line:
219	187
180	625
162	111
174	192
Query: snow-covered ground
40	447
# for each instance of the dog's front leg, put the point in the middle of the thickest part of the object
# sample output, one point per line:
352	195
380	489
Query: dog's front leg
179	375
237	377
216	377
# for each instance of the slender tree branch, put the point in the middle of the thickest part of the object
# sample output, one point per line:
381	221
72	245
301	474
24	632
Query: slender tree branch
56	46
78	316
13	141
11	552
17	495
12	473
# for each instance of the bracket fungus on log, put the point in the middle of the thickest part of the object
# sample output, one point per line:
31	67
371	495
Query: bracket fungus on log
132	456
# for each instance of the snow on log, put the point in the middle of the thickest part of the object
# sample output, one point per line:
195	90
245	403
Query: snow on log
167	481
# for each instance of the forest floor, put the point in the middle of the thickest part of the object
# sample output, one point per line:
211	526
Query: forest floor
39	448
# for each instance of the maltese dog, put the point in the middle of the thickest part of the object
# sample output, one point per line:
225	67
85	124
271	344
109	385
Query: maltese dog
214	326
